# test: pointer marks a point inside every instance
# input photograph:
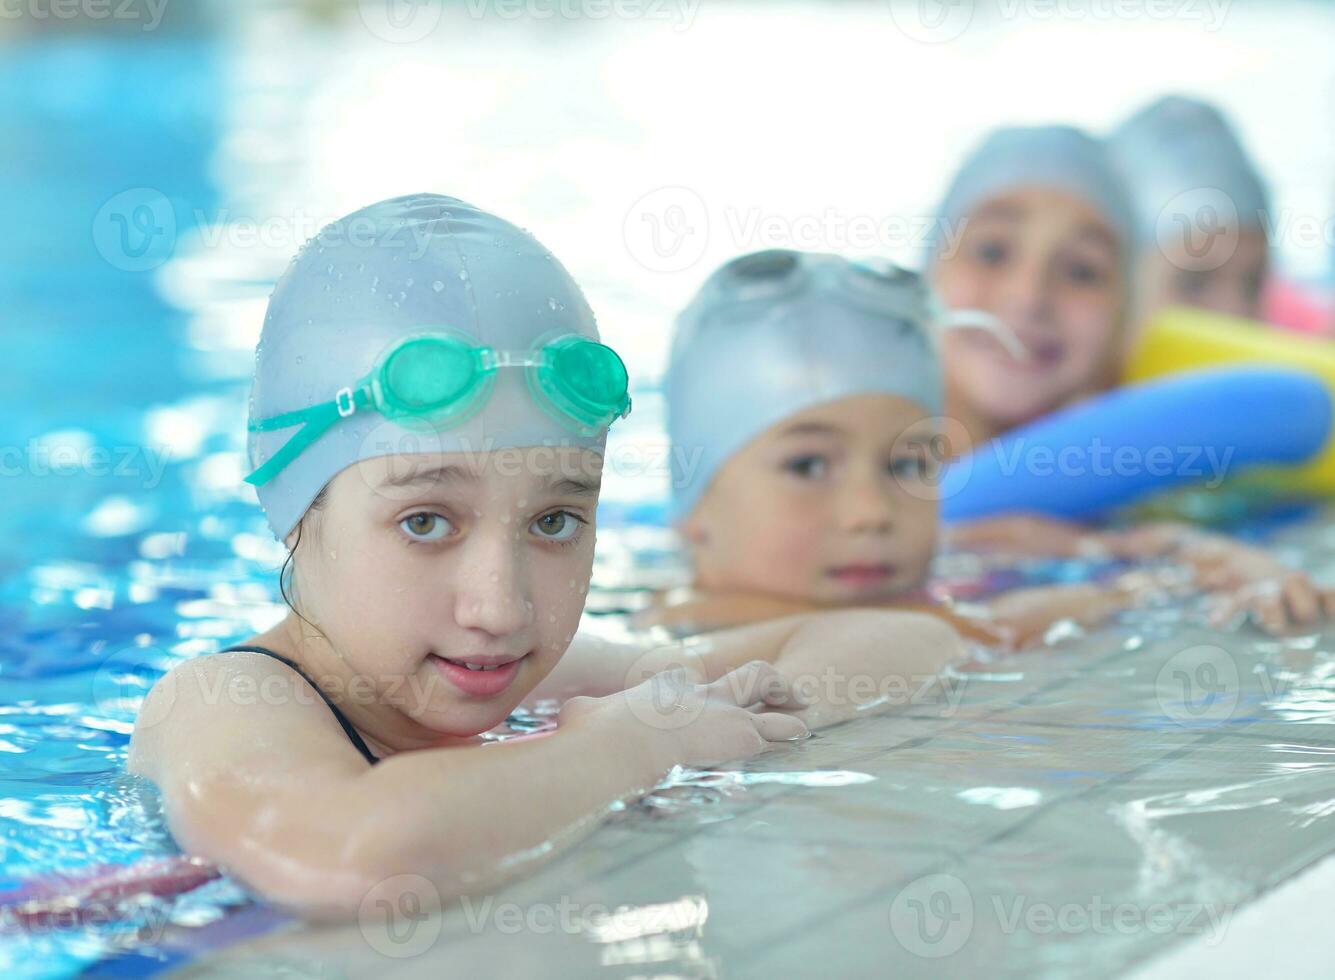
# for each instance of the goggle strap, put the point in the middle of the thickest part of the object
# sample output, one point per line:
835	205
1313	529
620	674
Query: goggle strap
315	422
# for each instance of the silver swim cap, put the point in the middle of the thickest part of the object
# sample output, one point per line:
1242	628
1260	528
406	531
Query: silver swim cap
773	333
1180	156
1057	157
414	264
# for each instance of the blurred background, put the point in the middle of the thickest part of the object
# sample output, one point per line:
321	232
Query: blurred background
163	159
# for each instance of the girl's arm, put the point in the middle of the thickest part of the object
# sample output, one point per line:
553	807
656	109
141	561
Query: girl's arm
832	655
270	788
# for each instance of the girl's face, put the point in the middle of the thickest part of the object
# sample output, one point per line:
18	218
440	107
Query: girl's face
421	565
1049	267
835	504
1224	273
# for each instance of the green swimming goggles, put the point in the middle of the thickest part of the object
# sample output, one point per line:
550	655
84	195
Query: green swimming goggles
439	379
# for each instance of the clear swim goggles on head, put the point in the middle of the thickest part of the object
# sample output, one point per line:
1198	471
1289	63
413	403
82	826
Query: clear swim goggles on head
440	378
778	272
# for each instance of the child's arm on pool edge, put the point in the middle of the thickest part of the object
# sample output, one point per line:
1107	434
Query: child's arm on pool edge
299	816
271	789
831	654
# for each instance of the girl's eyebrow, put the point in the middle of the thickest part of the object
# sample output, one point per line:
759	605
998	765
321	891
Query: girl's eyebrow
812	428
572	486
1098	234
433	474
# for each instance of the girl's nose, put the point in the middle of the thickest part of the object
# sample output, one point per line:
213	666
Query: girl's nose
492	593
866	507
1026	294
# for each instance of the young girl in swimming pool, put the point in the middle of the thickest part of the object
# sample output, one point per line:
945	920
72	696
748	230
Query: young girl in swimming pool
803	396
1043	235
428	417
1045	240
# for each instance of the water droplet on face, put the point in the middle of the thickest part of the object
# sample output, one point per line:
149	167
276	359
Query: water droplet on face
551	304
463	275
551	617
361	266
299	358
437	285
329	269
333	556
573	583
408	281
495	576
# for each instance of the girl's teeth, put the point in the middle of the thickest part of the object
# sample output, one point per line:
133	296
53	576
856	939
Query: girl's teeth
480	667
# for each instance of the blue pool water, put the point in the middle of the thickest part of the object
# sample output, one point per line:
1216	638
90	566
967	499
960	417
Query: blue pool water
126	541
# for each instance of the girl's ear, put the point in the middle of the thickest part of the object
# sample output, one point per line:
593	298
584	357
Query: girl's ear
693	529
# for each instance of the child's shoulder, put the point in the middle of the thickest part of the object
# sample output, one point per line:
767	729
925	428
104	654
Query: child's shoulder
219	705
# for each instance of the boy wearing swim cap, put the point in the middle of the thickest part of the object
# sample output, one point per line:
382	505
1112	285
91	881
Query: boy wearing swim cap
427	420
803	396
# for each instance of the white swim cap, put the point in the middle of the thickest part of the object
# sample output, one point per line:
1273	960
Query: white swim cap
773	333
1183	161
411	265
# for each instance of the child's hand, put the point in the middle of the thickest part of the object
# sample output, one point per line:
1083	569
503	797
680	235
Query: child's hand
694	724
1024	534
1245	579
1278	598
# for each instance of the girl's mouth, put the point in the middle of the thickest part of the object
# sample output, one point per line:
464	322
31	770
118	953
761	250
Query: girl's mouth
483	677
863	576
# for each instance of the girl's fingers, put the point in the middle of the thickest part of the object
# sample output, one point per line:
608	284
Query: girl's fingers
1302	599
756	682
776	727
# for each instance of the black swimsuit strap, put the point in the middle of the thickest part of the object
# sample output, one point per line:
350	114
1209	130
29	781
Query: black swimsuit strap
352	734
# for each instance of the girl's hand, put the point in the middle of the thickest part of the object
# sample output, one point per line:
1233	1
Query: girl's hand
1246	580
1277	598
1024	534
684	722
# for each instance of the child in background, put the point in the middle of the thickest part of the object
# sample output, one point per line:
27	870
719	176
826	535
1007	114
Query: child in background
803	393
428	421
1201	210
1041	237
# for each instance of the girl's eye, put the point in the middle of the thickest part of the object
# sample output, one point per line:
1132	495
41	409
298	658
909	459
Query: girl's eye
560	525
991	253
425	526
912	467
1085	273
1193	283
807	467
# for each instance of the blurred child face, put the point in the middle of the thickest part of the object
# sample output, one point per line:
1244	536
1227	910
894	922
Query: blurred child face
1049	267
1225	274
835	504
422	564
